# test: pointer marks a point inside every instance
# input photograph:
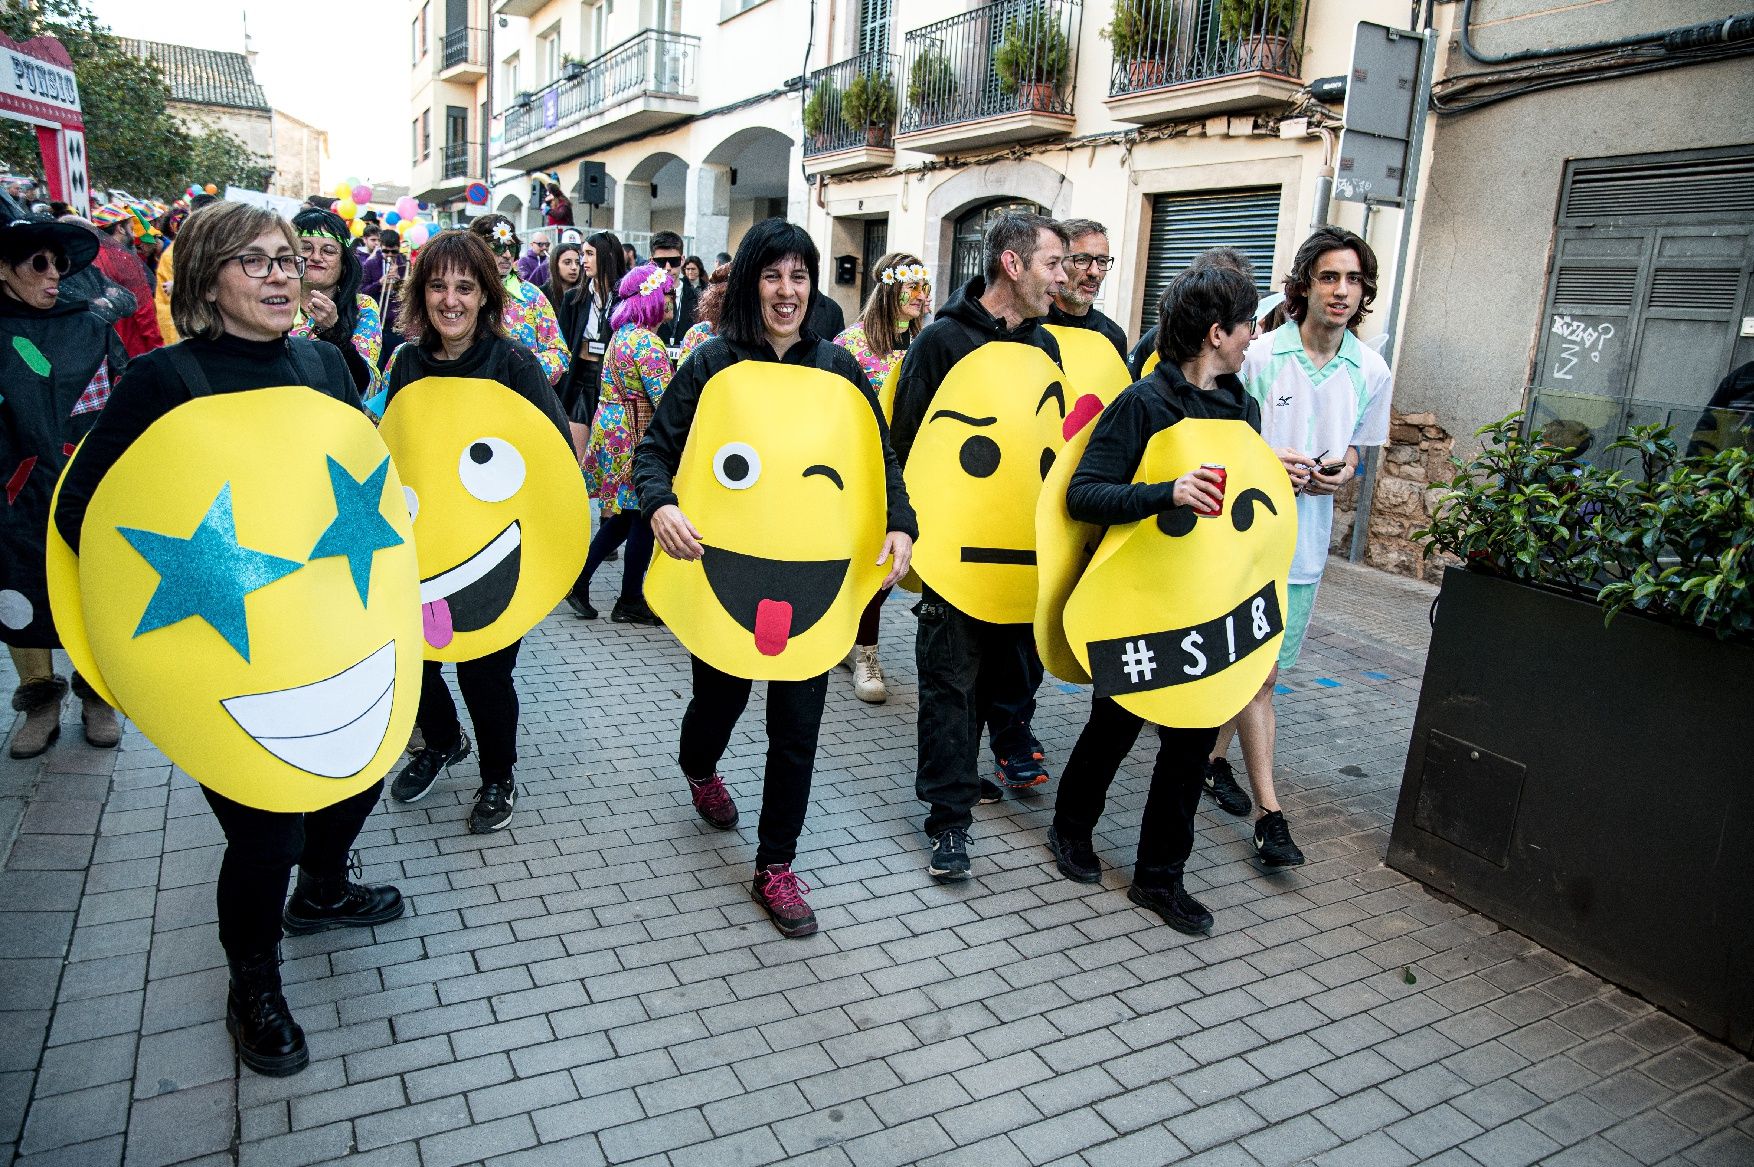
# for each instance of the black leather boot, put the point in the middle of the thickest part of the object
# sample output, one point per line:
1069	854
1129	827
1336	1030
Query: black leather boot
318	905
269	1041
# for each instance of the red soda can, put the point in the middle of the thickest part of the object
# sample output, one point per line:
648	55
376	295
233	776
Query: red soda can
1222	478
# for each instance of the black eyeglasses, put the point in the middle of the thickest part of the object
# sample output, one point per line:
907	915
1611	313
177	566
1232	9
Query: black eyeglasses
40	262
256	265
667	260
1082	262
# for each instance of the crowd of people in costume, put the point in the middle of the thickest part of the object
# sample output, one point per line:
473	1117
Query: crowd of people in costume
765	479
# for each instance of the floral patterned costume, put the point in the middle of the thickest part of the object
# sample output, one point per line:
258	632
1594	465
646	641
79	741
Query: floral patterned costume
530	321
696	336
368	339
876	367
636	370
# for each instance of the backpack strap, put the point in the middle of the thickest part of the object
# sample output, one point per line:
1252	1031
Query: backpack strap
307	362
189	369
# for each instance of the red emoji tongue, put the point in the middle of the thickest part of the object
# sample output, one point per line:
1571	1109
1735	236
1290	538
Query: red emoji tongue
773	626
436	620
1085	408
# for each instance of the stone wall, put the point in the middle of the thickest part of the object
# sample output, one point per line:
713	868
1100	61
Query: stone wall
1410	472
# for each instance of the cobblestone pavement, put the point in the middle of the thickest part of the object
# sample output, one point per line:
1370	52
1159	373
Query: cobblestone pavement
594	984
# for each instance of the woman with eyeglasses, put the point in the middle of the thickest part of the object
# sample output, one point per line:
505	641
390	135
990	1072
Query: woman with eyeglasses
529	319
236	291
331	307
57	363
901	296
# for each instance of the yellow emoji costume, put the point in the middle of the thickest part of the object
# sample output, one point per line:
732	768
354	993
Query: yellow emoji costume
499	510
790	506
988	439
1090	361
258	616
1178	618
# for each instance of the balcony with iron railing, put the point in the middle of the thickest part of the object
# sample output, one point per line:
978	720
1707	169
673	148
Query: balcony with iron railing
445	172
461	55
849	115
1178	59
641	85
1003	72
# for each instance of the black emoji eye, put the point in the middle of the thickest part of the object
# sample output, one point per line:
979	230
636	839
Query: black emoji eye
736	465
1047	461
1177	521
1242	511
828	472
980	456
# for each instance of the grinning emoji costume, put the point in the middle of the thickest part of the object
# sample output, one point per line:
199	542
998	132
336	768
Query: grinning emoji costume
785	470
235	546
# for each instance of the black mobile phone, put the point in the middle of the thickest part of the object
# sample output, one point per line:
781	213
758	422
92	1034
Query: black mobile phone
1332	467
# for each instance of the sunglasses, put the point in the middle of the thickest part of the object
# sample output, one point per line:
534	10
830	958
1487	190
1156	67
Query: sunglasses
41	262
667	260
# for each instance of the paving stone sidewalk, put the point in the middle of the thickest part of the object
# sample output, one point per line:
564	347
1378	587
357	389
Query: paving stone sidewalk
594	985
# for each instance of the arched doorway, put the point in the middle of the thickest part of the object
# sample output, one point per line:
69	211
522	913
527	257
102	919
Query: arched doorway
744	179
966	258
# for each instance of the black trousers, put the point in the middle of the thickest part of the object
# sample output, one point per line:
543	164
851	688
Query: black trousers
261	849
794	718
971	674
621	527
492	698
1166	836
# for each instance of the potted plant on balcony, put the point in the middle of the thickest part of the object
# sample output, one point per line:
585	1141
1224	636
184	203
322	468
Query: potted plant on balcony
1261	31
1589	660
931	86
868	107
1033	58
571	68
1143	33
825	97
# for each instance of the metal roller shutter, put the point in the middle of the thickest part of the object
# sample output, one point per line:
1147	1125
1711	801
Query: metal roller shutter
1183	225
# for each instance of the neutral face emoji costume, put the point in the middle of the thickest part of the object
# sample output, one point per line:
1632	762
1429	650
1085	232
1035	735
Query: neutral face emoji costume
499	511
989	438
783	478
252	575
1178	617
1091	363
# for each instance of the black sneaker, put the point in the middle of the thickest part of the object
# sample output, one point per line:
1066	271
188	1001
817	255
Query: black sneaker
493	807
634	612
417	777
991	792
949	855
1221	785
1273	841
316	907
1179	910
1022	772
1075	858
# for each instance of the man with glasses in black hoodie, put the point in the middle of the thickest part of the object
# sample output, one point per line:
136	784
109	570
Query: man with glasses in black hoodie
970	671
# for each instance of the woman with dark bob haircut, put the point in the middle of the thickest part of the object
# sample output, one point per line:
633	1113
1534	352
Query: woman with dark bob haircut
453	303
767	297
236	289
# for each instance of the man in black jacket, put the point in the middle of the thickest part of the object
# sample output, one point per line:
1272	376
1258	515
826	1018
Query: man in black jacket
972	671
1087	265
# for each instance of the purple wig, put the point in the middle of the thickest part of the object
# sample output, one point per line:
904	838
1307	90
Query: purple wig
642	296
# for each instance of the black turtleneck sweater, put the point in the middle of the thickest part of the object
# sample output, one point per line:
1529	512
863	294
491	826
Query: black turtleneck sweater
659	454
490	358
152	388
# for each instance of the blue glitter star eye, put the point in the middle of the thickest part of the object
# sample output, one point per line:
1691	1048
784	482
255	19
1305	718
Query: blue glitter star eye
207	574
360	529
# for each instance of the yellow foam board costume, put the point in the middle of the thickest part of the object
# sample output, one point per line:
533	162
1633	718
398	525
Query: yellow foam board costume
988	440
250	571
500	511
1063	549
1178	618
783	477
1091	363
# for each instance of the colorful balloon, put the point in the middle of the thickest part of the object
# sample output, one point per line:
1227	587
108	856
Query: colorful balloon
343	190
407	207
362	194
211	189
358	228
391	218
346	209
419	236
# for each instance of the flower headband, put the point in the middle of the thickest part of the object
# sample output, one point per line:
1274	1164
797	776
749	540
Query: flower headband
654	283
503	236
911	274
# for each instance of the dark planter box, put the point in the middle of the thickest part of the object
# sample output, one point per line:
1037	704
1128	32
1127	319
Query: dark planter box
1591	788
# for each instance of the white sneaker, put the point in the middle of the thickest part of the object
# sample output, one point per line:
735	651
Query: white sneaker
868	683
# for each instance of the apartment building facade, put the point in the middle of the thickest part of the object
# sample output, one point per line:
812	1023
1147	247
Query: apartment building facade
449	117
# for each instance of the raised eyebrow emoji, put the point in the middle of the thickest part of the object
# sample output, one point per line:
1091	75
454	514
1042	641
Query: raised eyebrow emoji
828	472
1055	392
961	417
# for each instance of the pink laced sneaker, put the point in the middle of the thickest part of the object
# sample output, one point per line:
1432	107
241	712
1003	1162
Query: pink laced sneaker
781	892
713	802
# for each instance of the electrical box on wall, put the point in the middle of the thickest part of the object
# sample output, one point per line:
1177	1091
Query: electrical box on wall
846	269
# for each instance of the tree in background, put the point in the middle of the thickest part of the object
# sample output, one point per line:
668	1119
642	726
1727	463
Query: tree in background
131	140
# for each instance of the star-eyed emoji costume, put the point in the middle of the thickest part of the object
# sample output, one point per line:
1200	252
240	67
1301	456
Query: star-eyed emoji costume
784	471
243	572
1178	616
500	509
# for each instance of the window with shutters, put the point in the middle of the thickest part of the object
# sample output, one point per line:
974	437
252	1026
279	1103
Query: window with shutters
1184	225
874	20
1652	277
